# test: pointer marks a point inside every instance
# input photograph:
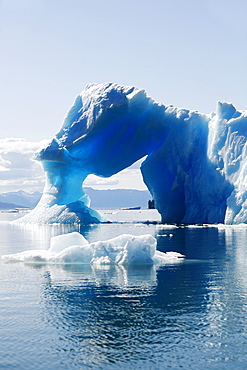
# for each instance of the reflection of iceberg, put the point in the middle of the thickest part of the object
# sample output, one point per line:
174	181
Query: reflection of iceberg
101	313
73	248
116	276
195	167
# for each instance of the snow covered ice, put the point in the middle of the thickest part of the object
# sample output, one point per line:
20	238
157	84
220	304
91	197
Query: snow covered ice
195	169
73	248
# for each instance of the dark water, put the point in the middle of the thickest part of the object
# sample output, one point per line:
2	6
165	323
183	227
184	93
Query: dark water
190	315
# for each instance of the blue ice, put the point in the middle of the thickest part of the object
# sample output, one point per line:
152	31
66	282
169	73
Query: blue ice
195	167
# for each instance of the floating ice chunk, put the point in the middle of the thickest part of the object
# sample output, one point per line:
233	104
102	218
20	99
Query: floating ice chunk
126	250
60	242
75	254
29	256
168	257
74	249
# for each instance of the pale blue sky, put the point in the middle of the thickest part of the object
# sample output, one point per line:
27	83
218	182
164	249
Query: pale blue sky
188	53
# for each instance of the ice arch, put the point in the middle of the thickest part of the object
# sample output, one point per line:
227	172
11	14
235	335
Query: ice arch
195	169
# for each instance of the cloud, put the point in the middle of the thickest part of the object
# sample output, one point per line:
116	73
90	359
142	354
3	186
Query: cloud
137	164
129	178
18	169
4	164
93	180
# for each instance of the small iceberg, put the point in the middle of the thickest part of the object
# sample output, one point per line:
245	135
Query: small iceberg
73	248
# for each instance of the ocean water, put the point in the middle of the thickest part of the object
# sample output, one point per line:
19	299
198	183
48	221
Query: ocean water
189	315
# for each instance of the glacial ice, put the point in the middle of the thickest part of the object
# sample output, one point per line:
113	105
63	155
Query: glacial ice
196	165
73	248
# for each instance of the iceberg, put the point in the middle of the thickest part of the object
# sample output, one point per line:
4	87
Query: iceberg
73	248
195	166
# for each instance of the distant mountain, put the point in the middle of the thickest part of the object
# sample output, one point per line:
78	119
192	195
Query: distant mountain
20	198
119	198
7	206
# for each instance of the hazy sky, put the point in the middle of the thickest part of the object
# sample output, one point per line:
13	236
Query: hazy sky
188	53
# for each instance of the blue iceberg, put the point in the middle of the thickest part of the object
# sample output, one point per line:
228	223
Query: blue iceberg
195	166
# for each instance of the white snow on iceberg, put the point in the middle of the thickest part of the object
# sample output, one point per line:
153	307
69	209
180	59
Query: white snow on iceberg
196	165
73	248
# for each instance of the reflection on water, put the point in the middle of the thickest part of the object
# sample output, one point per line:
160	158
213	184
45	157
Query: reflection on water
101	312
190	315
189	312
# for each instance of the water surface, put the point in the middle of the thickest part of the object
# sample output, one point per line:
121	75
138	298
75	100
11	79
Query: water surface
190	315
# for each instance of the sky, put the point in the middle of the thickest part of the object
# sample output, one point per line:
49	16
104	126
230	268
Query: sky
188	53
